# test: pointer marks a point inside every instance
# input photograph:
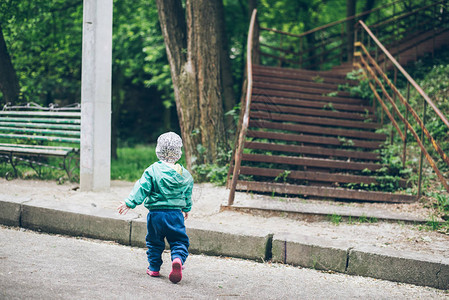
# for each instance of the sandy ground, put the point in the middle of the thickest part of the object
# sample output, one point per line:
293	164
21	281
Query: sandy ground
208	198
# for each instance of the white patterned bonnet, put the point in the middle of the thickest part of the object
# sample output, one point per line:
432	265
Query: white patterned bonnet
168	147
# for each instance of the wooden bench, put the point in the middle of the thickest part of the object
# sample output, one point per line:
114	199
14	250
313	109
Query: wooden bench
31	133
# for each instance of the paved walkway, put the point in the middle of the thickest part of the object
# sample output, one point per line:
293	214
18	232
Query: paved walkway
386	250
67	268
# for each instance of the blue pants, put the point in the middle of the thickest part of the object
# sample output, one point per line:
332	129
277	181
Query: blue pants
166	223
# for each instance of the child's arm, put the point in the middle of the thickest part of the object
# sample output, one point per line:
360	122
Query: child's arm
123	208
141	190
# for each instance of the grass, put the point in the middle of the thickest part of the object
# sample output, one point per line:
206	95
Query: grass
133	161
337	219
52	170
129	166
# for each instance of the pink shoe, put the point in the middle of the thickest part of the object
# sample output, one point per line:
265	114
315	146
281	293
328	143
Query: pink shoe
176	271
153	273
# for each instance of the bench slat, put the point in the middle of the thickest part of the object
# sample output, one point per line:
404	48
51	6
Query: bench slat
41	131
41	114
33	151
21	146
41	138
39	125
40	120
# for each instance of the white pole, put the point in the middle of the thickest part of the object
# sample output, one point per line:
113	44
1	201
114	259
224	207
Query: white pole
95	160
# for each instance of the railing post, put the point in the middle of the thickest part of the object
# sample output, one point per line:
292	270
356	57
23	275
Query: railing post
404	150
394	101
433	32
280	52
342	35
382	111
356	36
421	158
323	49
300	51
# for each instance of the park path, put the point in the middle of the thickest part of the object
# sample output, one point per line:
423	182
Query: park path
41	266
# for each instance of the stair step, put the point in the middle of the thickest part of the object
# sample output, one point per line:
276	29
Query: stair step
303	76
318	211
314	104
325	192
308	175
312	139
327	131
300	89
296	82
313	176
312	162
319	151
313	120
306	96
302	73
310	111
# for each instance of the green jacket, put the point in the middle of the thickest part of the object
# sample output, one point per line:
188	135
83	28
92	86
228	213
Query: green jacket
161	187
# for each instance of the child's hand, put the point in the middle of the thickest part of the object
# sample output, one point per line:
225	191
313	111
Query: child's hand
186	215
123	208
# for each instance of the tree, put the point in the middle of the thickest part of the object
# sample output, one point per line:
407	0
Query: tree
193	45
350	11
9	83
226	72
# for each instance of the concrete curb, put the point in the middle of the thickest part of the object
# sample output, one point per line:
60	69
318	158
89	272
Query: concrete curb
310	252
299	250
414	268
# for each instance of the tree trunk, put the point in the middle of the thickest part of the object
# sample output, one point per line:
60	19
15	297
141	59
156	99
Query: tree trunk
368	6
9	83
229	100
193	50
350	11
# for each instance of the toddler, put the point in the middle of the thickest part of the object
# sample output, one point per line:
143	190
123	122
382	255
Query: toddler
165	188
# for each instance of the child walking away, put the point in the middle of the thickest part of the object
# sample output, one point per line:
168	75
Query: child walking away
165	188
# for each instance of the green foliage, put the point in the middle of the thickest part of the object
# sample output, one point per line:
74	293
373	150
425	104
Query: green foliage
335	219
318	79
50	169
361	90
346	142
132	162
329	106
433	224
282	176
365	219
215	173
332	94
440	203
44	42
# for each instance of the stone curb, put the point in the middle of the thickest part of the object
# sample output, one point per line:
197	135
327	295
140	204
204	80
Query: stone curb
399	266
310	252
299	250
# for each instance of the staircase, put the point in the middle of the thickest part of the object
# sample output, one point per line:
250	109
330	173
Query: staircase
302	134
307	138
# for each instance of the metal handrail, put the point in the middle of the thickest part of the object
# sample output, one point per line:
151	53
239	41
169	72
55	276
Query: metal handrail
245	109
372	64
